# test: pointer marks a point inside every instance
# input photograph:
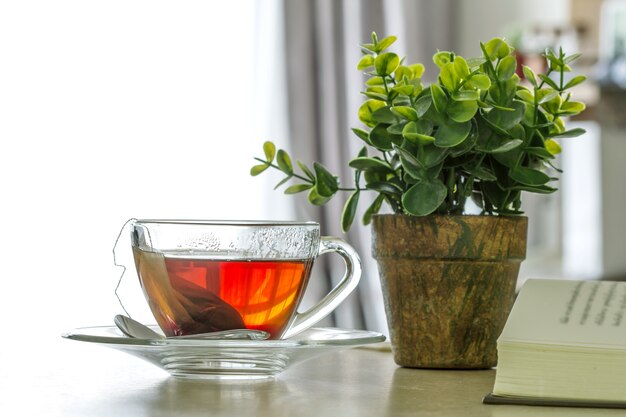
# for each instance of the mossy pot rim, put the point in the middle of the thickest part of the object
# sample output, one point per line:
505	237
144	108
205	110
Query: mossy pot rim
513	217
453	237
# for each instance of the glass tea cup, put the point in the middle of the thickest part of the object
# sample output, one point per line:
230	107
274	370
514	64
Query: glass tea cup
203	276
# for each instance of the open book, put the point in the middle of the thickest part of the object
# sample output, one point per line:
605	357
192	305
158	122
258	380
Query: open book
564	343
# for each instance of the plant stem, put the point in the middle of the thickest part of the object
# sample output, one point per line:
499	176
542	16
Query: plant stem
387	90
451	184
293	174
300	177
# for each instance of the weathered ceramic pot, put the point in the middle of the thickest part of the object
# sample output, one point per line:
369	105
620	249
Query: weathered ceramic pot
448	285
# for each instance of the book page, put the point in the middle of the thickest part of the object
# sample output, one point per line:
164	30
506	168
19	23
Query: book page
579	313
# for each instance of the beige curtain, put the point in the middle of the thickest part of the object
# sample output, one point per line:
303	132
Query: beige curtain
321	39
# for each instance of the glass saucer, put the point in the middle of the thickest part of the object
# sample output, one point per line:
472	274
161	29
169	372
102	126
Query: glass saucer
227	359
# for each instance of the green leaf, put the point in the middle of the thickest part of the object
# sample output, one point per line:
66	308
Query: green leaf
298	188
424	197
571	58
374	208
380	137
375	81
349	210
365	163
539	152
497	48
406	90
409	180
257	169
517	132
549	81
480	172
476	61
506	68
497	129
397	128
306	170
529	74
501	148
448	77
316	199
326	183
422	105
493	194
406	112
410	163
465	95
363	135
375	96
553	106
440	99
540	189
505	120
461	68
424	126
554	61
368	47
559	126
545	94
570	133
442	58
503	92
418	70
379	89
386	63
418	132
509	159
384	187
572	107
373	176
284	180
479	81
432	155
529	176
526	96
365	62
575	81
402	72
467	145
452	134
462	111
497	106
270	151
384	115
366	110
552	146
409	132
386	43
284	162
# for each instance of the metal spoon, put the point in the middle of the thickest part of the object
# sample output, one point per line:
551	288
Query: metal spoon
132	328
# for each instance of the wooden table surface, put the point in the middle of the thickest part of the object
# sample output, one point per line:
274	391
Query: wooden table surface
68	378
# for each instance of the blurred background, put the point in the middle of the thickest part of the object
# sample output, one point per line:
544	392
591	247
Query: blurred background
153	109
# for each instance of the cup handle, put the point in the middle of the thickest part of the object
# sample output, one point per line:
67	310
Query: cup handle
348	283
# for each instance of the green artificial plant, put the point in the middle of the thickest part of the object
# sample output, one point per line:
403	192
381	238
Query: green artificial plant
478	132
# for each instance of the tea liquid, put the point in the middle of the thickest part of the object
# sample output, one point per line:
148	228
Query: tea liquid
195	295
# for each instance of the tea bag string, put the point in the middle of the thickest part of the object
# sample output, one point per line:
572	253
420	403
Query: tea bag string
119	282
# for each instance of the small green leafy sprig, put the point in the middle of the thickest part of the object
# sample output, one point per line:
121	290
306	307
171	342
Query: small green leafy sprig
478	132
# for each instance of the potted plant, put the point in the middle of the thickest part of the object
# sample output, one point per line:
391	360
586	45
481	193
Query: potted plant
478	133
